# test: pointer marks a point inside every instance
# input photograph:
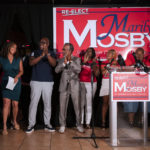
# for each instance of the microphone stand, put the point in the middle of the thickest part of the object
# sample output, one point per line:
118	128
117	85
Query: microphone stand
93	136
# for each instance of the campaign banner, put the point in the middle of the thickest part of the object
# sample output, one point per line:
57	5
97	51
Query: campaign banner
130	86
122	29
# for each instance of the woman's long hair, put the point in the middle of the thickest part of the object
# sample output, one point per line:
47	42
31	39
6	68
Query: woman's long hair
113	52
93	52
6	48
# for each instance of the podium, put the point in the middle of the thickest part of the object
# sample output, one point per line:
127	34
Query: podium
128	84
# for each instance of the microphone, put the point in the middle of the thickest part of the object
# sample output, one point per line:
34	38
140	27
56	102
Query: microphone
140	64
137	62
82	53
134	56
66	66
109	64
111	61
120	60
93	64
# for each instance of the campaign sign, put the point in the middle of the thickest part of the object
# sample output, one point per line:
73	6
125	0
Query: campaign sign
130	86
122	29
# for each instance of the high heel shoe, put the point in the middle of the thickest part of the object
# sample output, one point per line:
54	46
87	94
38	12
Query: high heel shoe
131	124
4	132
16	126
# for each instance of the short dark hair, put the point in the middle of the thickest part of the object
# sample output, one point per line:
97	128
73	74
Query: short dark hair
139	49
46	39
70	46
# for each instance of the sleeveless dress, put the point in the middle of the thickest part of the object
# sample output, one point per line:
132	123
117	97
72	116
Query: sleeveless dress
10	69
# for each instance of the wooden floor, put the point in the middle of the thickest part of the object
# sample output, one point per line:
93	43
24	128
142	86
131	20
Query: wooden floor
129	139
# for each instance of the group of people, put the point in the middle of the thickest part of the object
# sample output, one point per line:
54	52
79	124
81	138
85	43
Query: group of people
78	79
132	107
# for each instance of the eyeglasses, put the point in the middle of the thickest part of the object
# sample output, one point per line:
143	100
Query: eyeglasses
43	42
65	49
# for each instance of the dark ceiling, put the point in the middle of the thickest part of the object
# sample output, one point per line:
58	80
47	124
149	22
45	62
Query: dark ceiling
79	2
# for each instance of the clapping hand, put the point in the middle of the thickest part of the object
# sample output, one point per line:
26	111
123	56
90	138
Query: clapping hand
67	58
43	54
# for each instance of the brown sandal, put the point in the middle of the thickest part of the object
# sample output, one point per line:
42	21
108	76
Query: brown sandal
16	126
4	132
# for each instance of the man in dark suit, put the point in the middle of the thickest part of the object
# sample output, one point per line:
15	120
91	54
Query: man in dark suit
69	84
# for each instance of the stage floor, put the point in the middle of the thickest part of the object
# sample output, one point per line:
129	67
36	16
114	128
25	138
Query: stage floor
129	139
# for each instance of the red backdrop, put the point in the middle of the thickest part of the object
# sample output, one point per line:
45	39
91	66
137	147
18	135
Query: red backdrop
123	29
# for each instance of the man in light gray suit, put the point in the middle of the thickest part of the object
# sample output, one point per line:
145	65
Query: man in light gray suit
70	66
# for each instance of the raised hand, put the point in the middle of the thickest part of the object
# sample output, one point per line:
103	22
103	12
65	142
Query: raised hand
86	58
